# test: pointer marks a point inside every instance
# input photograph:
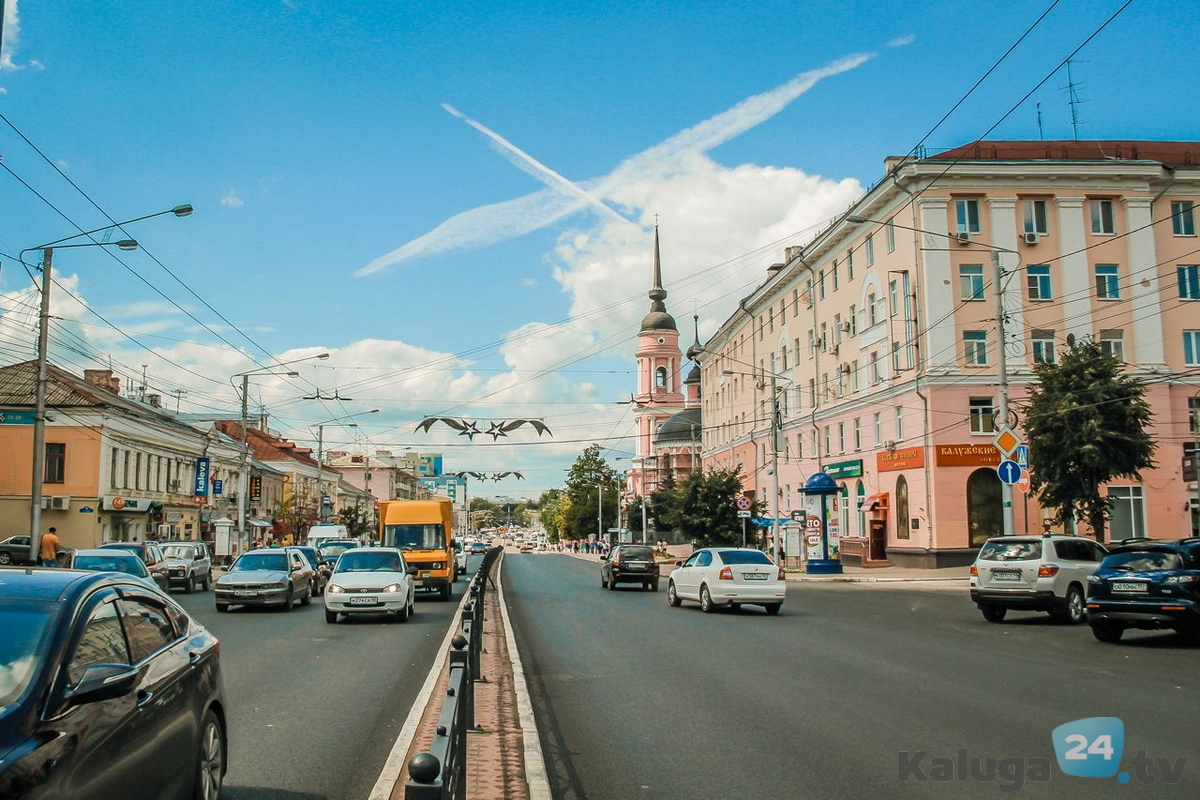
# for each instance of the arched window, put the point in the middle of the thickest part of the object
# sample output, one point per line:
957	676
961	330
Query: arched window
983	506
843	500
660	377
859	494
902	531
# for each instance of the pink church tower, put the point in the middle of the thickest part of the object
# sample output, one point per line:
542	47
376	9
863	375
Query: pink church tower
659	391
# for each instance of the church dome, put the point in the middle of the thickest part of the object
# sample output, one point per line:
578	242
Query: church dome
681	429
658	321
693	375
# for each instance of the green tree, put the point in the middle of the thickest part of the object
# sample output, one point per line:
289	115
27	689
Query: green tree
296	514
553	504
1086	425
665	505
707	511
359	520
587	477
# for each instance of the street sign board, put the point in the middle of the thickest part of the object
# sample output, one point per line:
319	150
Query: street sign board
1006	441
1009	471
744	503
743	514
1023	483
1022	456
798	515
17	417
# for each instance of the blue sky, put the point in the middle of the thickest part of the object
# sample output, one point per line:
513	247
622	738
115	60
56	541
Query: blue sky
329	151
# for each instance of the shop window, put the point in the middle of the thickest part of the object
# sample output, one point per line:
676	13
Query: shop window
984	514
902	522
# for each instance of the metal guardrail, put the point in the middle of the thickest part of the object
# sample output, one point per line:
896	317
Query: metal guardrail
440	773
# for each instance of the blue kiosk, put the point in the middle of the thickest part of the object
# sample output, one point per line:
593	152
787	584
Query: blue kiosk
822	554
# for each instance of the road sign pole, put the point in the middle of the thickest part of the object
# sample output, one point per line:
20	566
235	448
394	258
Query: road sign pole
1006	493
743	533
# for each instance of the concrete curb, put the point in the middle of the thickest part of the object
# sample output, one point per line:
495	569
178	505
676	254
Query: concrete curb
535	765
393	768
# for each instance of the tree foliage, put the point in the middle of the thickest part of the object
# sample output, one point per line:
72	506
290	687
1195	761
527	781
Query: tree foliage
296	514
664	505
1086	426
359	520
554	504
590	477
703	508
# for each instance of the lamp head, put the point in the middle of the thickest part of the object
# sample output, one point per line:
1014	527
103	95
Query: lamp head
857	219
128	244
184	210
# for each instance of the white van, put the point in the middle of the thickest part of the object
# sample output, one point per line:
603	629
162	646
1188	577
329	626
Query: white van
318	534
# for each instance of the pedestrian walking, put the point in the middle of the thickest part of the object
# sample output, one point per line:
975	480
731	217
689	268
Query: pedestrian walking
49	549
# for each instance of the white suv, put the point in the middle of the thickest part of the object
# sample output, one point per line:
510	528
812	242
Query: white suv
1034	573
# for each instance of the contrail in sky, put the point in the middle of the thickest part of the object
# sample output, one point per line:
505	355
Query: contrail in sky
531	165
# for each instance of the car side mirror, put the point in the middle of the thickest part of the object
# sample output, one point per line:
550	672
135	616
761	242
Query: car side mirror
679	563
103	682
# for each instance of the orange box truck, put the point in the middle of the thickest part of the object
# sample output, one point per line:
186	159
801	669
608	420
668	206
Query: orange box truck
424	530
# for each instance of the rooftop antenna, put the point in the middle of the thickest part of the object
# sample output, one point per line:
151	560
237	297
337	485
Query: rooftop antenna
142	387
179	393
1039	121
1073	101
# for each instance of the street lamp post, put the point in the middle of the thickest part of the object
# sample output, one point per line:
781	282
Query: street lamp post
39	418
320	465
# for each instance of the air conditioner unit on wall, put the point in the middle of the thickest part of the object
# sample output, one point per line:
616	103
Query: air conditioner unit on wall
963	237
1032	238
889	445
60	503
845	327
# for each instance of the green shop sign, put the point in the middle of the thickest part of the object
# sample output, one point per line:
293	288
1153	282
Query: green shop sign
845	469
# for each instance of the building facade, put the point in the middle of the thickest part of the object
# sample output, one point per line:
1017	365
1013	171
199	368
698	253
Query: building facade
876	343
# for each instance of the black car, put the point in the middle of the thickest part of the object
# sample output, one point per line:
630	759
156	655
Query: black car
629	563
109	690
1151	585
321	568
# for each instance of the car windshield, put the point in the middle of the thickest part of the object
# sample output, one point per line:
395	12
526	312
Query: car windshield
1010	551
415	537
183	551
743	557
130	565
636	553
369	561
1143	561
332	551
274	561
25	626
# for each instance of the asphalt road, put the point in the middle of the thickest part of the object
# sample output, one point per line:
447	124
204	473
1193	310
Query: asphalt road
635	699
314	709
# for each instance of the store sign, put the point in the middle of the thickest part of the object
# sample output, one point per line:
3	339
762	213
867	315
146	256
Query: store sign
845	469
256	487
218	486
908	458
201	487
966	455
117	502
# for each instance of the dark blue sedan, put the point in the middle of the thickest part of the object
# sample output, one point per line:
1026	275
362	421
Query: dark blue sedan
1152	585
107	689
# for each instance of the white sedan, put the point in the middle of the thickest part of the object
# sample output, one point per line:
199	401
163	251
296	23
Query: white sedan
370	580
717	576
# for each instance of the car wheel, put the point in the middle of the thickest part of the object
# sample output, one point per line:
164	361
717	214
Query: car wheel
603	583
210	766
330	616
289	600
446	592
189	584
773	608
706	602
308	596
612	585
1073	609
5	558
402	614
672	596
207	581
993	613
222	607
1108	633
654	586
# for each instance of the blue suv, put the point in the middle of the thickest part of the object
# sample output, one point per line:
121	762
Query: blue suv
1151	585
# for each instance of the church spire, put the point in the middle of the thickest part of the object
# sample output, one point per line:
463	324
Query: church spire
695	350
658	318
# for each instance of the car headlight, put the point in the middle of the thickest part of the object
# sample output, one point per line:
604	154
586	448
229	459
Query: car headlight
436	565
334	589
395	587
1095	579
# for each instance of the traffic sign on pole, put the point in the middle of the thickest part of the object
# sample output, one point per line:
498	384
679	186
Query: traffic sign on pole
743	514
744	503
1023	483
1009	471
1006	441
1022	456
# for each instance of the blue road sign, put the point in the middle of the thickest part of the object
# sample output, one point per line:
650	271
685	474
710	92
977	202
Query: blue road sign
17	417
1022	456
1009	471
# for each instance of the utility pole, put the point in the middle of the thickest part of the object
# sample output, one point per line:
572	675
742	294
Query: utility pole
775	472
599	512
1006	490
179	393
244	468
39	429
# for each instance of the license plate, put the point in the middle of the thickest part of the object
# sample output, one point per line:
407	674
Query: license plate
363	601
244	593
418	584
1005	576
754	576
1129	587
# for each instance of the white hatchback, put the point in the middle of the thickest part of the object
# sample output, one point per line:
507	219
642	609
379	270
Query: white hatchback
370	580
732	576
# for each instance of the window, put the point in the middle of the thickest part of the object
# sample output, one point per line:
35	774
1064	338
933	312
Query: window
1128	512
837	328
148	627
1042	342
841	437
812	440
812	343
660	377
893	298
1037	276
983	416
854	384
827	450
56	461
137	470
970	280
1035	217
1183	223
877	424
112	467
899	422
100	643
824	336
857	434
966	216
1191	348
895	357
125	470
761	328
812	392
1107	287
1189	281
869	248
799	445
872	311
890	235
875	376
975	347
834	275
850	264
821	284
1194	414
795	302
1112	343
1102	216
853	321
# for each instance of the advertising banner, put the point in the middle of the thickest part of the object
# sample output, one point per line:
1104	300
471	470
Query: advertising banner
201	487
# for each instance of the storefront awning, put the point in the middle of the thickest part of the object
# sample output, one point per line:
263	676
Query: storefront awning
257	523
873	502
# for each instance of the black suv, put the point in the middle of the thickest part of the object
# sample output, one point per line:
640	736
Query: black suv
629	563
1151	585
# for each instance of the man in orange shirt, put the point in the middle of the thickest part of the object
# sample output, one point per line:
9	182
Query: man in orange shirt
50	548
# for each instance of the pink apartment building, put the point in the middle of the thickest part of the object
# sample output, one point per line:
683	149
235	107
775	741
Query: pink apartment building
881	334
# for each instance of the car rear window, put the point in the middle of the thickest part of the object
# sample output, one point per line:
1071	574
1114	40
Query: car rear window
1144	561
115	563
636	553
25	627
743	557
1010	551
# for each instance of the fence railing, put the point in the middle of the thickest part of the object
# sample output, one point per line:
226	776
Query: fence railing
440	773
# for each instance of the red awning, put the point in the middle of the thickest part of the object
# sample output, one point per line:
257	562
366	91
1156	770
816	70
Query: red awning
873	502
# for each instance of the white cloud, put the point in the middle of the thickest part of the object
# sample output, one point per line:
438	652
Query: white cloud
231	200
529	282
11	38
902	41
